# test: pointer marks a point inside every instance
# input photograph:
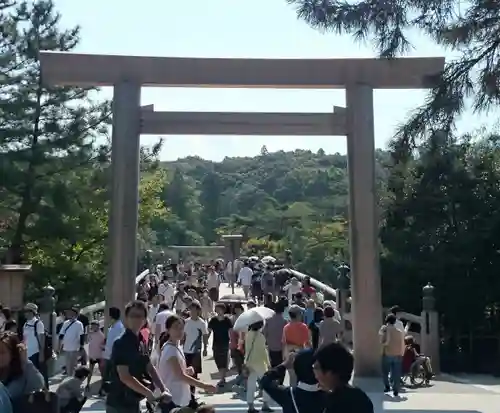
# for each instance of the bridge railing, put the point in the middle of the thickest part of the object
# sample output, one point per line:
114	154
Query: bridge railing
96	311
424	327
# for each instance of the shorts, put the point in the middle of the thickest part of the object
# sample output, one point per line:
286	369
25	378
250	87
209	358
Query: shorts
194	361
221	357
95	361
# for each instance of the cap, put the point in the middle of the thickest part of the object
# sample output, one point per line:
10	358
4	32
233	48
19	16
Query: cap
31	307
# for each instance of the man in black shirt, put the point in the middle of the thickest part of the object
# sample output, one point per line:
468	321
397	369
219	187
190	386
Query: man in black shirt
82	318
131	368
220	325
333	368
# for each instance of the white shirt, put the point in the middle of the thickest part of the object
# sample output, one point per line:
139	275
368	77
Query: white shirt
114	331
212	280
401	327
292	289
30	337
181	394
161	319
168	293
194	330
71	331
245	276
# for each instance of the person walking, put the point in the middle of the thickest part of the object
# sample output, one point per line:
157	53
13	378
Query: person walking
393	348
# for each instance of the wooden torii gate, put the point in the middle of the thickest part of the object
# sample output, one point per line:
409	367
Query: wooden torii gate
359	77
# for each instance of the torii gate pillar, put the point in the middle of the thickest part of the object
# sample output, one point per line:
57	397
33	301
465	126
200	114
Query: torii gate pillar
124	206
363	229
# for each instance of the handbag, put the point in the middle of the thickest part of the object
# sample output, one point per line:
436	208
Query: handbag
36	402
245	369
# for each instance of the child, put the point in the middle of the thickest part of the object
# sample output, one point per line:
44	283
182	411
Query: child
96	348
70	392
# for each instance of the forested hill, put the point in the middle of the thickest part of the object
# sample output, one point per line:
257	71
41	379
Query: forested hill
274	199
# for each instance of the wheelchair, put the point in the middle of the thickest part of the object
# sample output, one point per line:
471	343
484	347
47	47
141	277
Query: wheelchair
416	376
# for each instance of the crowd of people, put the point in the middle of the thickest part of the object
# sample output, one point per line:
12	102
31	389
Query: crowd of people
154	349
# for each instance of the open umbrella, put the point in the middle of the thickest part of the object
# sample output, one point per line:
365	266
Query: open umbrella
268	258
233	299
249	317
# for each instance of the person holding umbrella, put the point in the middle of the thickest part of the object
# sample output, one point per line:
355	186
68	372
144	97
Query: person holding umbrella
256	355
256	364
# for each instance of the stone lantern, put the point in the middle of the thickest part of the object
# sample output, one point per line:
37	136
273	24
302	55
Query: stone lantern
149	258
428	299
343	278
343	285
48	301
12	277
288	258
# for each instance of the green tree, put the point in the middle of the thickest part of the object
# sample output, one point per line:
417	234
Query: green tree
46	132
469	29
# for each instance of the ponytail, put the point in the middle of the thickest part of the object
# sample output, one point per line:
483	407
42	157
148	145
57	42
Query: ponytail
164	338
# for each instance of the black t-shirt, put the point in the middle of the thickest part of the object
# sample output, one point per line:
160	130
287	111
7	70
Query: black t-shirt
349	399
131	351
313	328
220	329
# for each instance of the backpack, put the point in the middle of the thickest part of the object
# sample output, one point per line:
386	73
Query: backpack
48	348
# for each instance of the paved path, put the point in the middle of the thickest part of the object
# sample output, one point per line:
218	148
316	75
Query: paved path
463	394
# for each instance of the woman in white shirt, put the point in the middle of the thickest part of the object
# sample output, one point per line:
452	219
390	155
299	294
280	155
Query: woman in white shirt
172	368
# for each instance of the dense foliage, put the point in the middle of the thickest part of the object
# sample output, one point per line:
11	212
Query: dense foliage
54	162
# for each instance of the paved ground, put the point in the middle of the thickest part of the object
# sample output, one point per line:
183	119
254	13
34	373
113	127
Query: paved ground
459	394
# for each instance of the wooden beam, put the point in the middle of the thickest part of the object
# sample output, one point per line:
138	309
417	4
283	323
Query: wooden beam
243	123
78	69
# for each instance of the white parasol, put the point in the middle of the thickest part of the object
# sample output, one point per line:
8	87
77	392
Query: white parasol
249	317
268	258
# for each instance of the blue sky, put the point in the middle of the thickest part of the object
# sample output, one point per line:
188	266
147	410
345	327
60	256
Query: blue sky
235	28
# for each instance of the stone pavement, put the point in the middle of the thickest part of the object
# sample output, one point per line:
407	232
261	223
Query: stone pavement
458	394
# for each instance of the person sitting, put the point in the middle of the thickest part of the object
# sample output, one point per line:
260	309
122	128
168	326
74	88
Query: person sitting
18	374
412	359
71	391
306	396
